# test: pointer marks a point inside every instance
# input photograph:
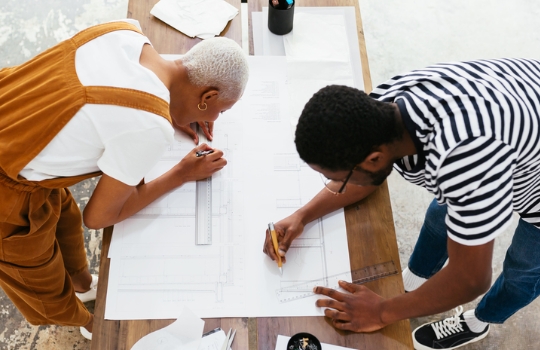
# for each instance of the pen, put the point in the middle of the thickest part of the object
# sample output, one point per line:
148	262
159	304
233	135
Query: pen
203	153
276	246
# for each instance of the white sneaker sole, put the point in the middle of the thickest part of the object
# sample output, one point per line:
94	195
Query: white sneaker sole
91	294
86	334
418	346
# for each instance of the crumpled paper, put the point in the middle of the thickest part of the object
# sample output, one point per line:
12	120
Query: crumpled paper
195	18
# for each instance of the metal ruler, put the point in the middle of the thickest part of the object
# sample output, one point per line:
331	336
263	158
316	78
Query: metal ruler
360	276
203	212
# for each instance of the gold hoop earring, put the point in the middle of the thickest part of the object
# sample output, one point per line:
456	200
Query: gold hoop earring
202	109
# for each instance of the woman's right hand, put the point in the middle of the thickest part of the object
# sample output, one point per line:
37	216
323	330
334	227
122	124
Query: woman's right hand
287	230
192	168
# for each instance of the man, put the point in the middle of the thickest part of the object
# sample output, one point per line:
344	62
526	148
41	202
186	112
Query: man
101	103
468	133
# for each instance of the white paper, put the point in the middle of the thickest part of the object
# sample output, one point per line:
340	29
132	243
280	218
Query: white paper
213	341
183	334
334	38
155	263
281	344
321	50
317	37
202	18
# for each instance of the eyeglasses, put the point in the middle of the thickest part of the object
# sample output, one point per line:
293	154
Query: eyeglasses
334	186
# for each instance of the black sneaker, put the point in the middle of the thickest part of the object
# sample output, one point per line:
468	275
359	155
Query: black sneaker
450	333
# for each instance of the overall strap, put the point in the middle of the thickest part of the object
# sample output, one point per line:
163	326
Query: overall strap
119	96
93	32
40	96
136	99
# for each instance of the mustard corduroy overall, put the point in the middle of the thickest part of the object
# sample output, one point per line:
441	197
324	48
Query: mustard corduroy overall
41	231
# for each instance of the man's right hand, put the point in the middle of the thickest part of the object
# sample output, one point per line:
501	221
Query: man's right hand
323	203
287	230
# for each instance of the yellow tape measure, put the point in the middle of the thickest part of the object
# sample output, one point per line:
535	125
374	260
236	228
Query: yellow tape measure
360	276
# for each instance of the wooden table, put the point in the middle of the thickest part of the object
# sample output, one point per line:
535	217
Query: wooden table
370	231
166	39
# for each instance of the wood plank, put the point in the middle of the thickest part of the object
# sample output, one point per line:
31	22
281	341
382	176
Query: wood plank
166	39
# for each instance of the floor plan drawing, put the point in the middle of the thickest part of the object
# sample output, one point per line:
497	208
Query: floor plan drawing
155	261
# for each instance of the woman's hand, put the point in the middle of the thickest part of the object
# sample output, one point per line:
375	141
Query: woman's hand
192	168
206	127
287	230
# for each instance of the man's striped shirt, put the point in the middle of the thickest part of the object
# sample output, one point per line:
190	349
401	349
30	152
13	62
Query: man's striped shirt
476	127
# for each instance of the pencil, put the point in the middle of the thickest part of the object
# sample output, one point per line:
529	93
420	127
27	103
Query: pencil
276	246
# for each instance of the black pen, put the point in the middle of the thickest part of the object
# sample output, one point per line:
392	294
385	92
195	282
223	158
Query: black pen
203	153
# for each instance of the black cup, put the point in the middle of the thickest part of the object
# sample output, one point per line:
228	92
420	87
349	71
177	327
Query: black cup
300	339
280	21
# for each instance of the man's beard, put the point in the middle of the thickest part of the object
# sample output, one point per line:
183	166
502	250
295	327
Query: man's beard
378	177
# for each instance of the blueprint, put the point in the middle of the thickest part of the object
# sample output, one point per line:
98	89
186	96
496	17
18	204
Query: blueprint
156	268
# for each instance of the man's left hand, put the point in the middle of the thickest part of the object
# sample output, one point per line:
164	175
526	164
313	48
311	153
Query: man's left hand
359	311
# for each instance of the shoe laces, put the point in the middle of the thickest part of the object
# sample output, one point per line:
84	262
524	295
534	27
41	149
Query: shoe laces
448	326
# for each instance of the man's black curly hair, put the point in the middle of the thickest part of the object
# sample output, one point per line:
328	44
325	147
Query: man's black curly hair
340	126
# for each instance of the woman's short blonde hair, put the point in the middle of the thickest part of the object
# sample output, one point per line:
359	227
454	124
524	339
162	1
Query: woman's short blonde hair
220	63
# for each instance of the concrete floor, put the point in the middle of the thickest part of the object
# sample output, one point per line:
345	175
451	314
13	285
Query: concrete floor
28	27
401	35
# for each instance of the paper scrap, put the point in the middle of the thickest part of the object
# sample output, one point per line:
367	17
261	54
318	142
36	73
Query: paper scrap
213	341
183	334
195	18
282	340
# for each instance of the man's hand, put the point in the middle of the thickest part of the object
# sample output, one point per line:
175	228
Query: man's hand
206	127
287	230
359	311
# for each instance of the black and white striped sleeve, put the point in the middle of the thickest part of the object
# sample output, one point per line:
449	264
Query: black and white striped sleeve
475	180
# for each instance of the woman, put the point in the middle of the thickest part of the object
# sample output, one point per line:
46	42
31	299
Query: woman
101	103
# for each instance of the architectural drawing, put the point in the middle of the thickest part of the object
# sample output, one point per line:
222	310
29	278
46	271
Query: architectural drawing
155	262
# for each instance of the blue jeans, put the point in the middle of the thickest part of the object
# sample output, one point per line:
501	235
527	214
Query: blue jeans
516	286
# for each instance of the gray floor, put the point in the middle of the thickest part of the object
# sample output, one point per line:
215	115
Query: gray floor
400	35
